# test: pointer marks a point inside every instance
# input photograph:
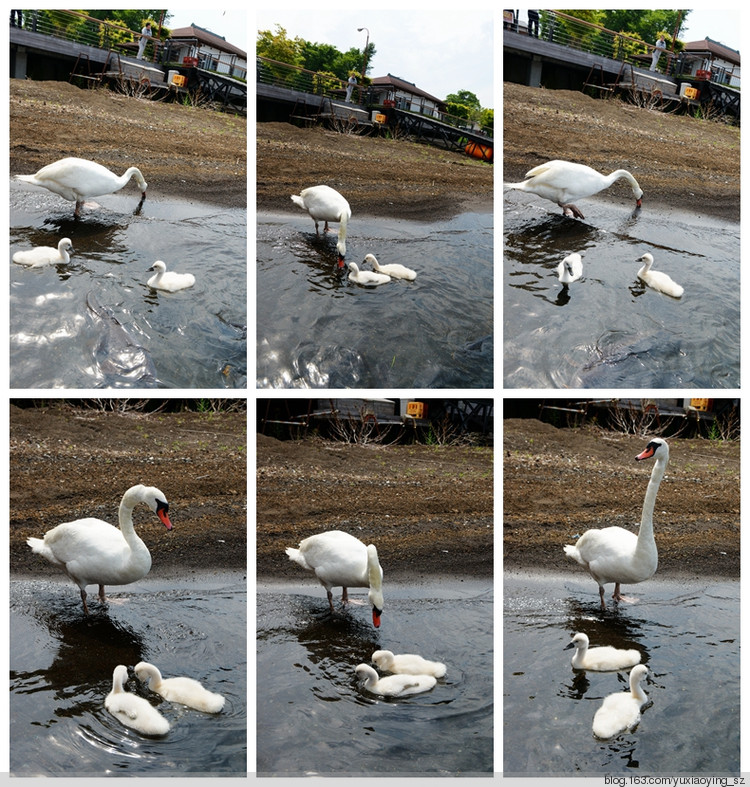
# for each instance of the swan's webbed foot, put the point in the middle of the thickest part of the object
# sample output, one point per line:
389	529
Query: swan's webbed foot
326	228
571	210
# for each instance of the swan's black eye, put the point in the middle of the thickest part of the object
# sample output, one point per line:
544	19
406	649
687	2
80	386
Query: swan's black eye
162	505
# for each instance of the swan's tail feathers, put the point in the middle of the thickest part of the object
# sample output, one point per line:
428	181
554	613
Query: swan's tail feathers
514	185
36	544
298	201
572	552
27	178
298	557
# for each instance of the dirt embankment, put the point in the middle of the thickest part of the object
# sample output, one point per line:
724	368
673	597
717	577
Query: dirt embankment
428	509
68	463
183	151
679	161
557	483
378	176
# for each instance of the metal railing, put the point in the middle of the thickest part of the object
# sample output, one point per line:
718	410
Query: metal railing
81	29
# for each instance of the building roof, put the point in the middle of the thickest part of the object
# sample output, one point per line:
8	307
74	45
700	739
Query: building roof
208	38
714	48
402	84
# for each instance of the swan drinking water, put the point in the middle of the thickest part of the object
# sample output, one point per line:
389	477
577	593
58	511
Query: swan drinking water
602	658
621	710
325	204
563	182
169	280
613	554
394	685
570	269
185	691
131	710
93	552
368	278
340	559
656	279
77	179
394	270
407	664
45	255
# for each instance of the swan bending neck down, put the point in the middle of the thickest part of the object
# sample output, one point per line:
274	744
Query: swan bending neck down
564	182
613	554
394	685
570	269
92	551
394	269
339	559
602	658
185	691
326	204
45	255
77	179
622	710
407	664
656	279
131	710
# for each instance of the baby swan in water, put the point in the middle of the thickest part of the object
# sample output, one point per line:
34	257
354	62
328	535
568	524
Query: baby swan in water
394	270
656	279
131	710
394	685
602	658
407	664
45	255
185	691
366	277
570	269
622	710
169	280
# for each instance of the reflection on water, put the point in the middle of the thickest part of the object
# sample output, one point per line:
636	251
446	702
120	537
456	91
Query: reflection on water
608	330
317	329
688	634
61	666
195	338
311	707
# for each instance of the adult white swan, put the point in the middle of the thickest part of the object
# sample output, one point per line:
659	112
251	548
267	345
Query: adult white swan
613	554
77	179
621	710
394	685
656	279
45	255
169	280
93	552
325	204
368	278
185	691
564	182
393	269
130	709
407	664
600	659
570	269
339	559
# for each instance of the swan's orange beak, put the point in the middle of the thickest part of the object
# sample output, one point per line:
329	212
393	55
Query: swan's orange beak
647	453
341	261
638	202
161	512
376	613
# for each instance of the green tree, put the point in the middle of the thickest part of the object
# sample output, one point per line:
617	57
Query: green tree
465	97
487	121
278	46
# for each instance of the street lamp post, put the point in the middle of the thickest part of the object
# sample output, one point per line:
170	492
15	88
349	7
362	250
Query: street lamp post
367	44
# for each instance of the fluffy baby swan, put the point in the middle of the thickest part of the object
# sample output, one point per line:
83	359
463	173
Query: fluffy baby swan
131	710
394	270
186	691
602	658
407	664
394	685
169	280
622	710
656	279
366	277
45	255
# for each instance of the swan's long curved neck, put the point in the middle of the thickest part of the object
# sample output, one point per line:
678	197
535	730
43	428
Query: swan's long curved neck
636	690
647	515
624	174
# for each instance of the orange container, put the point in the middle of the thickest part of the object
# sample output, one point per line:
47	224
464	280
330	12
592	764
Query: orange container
416	409
483	152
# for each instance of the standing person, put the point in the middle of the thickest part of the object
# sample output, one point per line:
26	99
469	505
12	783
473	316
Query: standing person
533	23
350	87
661	46
145	35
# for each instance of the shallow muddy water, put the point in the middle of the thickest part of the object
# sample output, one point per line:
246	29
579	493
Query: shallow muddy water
61	666
608	330
95	323
315	718
316	329
688	632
